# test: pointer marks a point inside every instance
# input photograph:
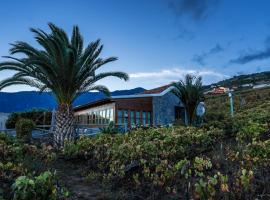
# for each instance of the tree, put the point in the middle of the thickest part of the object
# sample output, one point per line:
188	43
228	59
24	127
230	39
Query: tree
190	93
64	67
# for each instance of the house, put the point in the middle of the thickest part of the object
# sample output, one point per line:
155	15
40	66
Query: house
263	85
154	107
220	90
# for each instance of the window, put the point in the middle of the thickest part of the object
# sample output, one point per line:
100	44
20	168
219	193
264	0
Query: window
179	113
138	118
119	117
125	116
149	118
132	120
88	118
96	117
144	118
103	117
106	116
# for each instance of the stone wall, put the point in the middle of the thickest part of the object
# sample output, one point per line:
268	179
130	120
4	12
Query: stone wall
164	109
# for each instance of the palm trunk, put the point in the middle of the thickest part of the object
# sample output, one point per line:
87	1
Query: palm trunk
64	130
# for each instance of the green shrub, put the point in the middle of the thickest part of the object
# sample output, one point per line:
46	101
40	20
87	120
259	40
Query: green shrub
259	149
155	151
110	129
24	128
250	130
39	116
41	187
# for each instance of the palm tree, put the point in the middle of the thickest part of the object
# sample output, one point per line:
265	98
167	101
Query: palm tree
190	94
64	67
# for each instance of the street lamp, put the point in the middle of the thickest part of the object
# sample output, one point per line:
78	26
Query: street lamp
230	94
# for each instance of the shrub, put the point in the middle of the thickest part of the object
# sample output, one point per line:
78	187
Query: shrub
39	116
259	149
24	129
249	131
144	157
41	187
110	129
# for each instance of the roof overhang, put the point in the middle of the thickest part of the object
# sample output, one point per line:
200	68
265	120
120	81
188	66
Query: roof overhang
93	104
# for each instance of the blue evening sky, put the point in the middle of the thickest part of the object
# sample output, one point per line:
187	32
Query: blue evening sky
156	41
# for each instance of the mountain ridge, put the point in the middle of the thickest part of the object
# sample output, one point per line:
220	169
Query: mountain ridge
26	100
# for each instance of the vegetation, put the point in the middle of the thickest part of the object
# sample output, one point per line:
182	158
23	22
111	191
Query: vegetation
190	92
110	129
184	162
238	81
39	116
64	67
24	170
224	159
24	128
41	187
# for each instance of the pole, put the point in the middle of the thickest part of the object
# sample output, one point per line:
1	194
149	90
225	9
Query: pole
231	102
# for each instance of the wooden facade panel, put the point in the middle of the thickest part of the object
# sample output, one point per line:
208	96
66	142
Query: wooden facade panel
144	104
141	105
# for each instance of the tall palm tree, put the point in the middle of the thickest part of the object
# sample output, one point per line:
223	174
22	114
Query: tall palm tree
62	66
190	93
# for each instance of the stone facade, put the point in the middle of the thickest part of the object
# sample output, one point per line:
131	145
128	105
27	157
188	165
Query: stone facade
164	109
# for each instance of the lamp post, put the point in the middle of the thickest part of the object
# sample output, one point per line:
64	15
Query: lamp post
230	94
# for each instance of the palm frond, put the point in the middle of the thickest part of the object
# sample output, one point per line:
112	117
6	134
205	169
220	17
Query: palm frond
61	65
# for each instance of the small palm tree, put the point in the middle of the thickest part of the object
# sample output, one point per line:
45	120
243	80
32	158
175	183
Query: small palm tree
190	94
64	67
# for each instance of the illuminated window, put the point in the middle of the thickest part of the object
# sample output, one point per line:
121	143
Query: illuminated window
138	118
132	121
144	118
119	116
149	118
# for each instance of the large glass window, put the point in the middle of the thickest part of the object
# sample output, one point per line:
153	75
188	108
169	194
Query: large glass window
149	118
111	115
132	120
99	116
120	117
138	117
144	118
125	116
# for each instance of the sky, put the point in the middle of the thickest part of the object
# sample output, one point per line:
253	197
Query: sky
156	41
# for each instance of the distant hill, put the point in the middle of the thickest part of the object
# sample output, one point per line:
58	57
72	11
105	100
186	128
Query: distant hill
242	80
21	101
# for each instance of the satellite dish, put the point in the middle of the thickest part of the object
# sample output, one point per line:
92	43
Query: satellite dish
200	110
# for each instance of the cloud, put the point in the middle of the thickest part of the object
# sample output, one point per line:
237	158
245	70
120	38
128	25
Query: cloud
175	74
200	58
254	55
198	10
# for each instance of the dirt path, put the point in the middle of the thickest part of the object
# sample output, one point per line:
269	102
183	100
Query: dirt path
70	176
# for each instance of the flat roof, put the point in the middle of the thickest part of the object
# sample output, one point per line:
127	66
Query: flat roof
156	92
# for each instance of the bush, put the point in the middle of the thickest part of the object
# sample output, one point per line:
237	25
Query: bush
249	131
144	157
21	159
110	129
39	116
41	187
24	128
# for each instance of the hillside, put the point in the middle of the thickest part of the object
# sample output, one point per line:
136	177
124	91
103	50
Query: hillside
241	81
21	101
